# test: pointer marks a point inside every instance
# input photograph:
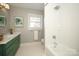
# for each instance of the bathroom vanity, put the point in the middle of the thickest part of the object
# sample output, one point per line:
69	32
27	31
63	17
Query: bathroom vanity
10	44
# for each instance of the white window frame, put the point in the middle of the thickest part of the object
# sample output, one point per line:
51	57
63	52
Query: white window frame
34	15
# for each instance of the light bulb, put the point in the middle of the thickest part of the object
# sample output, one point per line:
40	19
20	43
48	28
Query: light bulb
7	6
4	5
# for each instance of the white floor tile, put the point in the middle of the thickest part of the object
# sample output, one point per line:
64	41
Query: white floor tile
31	49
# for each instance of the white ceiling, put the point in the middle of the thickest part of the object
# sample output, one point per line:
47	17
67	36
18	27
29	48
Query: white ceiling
36	6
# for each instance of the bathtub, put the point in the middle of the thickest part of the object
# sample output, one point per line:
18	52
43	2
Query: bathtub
60	50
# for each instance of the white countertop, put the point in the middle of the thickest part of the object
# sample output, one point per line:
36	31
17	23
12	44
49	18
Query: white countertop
8	37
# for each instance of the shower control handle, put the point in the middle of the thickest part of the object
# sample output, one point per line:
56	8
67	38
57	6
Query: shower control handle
54	36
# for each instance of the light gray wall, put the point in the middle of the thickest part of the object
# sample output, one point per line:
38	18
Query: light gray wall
26	36
5	29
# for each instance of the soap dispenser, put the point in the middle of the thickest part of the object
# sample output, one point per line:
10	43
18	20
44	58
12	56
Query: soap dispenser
11	31
1	37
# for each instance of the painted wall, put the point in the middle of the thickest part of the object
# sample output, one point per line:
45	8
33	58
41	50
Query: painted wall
26	36
63	23
5	29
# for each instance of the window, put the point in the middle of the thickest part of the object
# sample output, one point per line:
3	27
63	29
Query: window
35	22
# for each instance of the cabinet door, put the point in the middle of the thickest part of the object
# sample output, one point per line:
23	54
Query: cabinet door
11	47
0	50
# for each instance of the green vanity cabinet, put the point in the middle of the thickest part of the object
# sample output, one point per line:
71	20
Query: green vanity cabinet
11	47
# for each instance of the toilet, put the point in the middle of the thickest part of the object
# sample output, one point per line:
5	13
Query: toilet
42	40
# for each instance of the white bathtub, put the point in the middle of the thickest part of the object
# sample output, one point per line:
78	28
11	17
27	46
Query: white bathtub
60	50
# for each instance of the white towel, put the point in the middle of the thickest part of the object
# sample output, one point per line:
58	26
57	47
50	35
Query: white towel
35	35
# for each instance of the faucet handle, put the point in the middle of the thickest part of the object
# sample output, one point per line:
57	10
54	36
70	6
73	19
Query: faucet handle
55	43
54	37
